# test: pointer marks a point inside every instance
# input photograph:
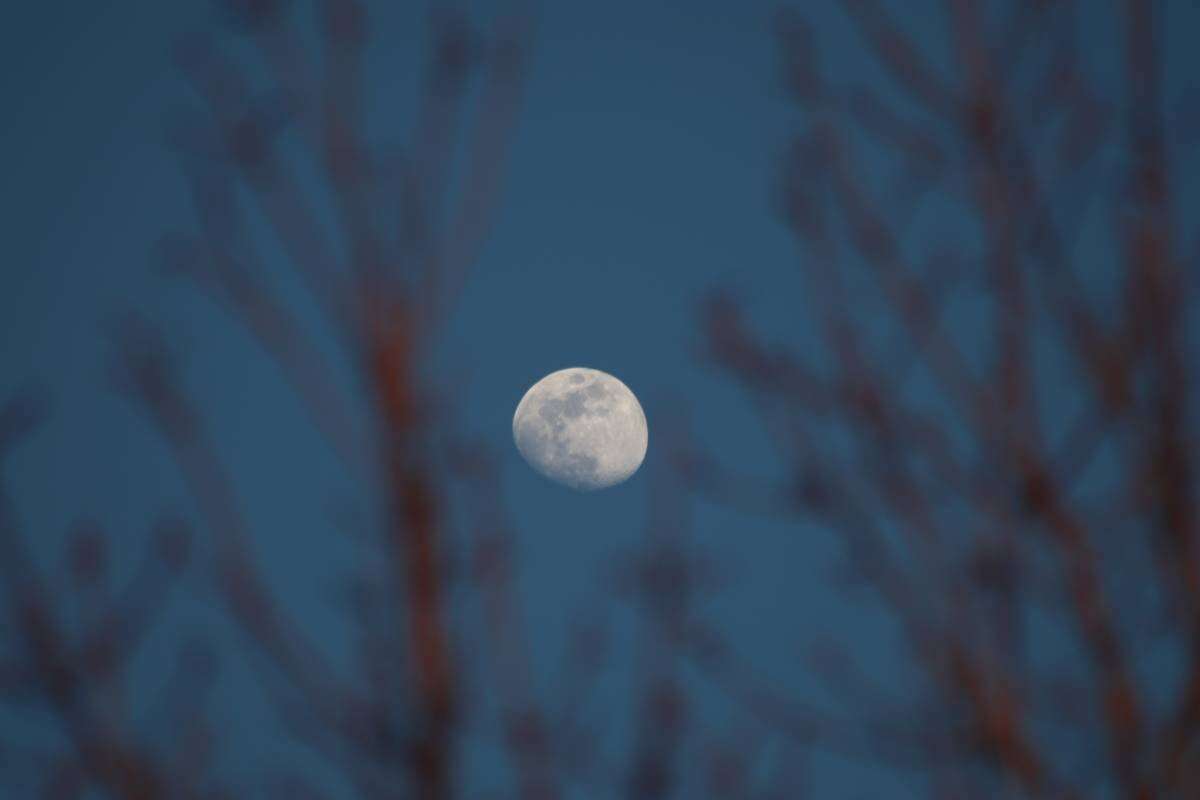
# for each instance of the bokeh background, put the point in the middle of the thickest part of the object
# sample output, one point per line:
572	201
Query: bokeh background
647	186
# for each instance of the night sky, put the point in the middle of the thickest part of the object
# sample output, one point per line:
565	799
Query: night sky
641	178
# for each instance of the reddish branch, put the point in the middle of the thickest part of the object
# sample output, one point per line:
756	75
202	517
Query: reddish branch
976	147
76	672
384	294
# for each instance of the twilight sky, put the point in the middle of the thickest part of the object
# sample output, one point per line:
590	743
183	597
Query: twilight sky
640	177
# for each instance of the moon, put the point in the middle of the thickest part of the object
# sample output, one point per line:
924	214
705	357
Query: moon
582	428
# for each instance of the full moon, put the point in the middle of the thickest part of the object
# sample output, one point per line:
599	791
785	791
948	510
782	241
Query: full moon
582	428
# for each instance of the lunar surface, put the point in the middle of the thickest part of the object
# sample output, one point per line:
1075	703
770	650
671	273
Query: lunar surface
582	428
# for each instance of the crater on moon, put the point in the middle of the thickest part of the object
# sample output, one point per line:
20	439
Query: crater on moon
581	427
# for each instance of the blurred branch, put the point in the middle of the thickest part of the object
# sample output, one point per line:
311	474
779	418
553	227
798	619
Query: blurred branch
885	454
105	752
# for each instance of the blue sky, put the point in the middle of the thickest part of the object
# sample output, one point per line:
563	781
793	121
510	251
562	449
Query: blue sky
640	178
